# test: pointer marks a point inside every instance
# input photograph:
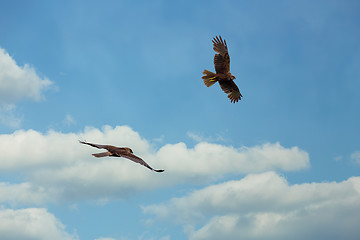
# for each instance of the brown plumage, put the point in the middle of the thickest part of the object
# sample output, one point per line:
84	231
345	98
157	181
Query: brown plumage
222	68
119	152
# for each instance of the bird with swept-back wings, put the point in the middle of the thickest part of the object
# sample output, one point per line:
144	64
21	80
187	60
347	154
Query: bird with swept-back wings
222	68
119	152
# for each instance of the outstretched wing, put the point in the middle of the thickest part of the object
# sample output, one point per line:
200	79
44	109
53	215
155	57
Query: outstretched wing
136	159
110	148
230	88
222	59
94	145
115	151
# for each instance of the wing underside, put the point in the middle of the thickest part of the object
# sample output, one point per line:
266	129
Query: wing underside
139	160
230	88
222	59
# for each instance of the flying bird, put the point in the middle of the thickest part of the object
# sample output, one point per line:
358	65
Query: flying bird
222	68
119	152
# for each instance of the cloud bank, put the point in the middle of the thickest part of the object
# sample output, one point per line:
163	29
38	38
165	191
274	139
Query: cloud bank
265	206
55	167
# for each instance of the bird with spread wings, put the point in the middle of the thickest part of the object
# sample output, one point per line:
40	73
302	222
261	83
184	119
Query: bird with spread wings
119	152
222	68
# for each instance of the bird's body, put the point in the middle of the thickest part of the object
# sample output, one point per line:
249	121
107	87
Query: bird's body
222	68
125	152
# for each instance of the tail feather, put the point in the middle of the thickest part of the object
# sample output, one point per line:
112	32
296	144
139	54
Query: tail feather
103	154
209	78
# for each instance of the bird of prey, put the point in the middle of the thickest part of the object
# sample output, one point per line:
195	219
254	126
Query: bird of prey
222	68
119	152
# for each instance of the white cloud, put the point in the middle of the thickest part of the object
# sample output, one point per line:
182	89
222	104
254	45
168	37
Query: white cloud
208	159
265	206
355	156
58	168
23	193
17	83
24	149
31	223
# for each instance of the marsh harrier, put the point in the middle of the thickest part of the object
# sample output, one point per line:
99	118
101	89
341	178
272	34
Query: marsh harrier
222	68
119	152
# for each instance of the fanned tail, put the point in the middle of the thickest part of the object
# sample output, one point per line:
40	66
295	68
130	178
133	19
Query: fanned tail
209	78
103	154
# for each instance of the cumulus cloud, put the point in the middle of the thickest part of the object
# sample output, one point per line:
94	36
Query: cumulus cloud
207	159
265	206
56	167
17	83
31	223
23	194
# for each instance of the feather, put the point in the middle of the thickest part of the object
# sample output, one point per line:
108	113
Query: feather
104	154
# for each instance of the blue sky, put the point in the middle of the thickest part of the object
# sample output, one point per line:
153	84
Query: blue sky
282	162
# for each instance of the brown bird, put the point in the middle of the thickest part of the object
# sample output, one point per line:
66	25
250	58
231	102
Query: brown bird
119	152
222	68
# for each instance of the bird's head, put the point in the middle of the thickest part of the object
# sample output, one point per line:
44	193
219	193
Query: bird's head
232	77
129	150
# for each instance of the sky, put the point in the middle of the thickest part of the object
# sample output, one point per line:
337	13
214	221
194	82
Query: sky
282	163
